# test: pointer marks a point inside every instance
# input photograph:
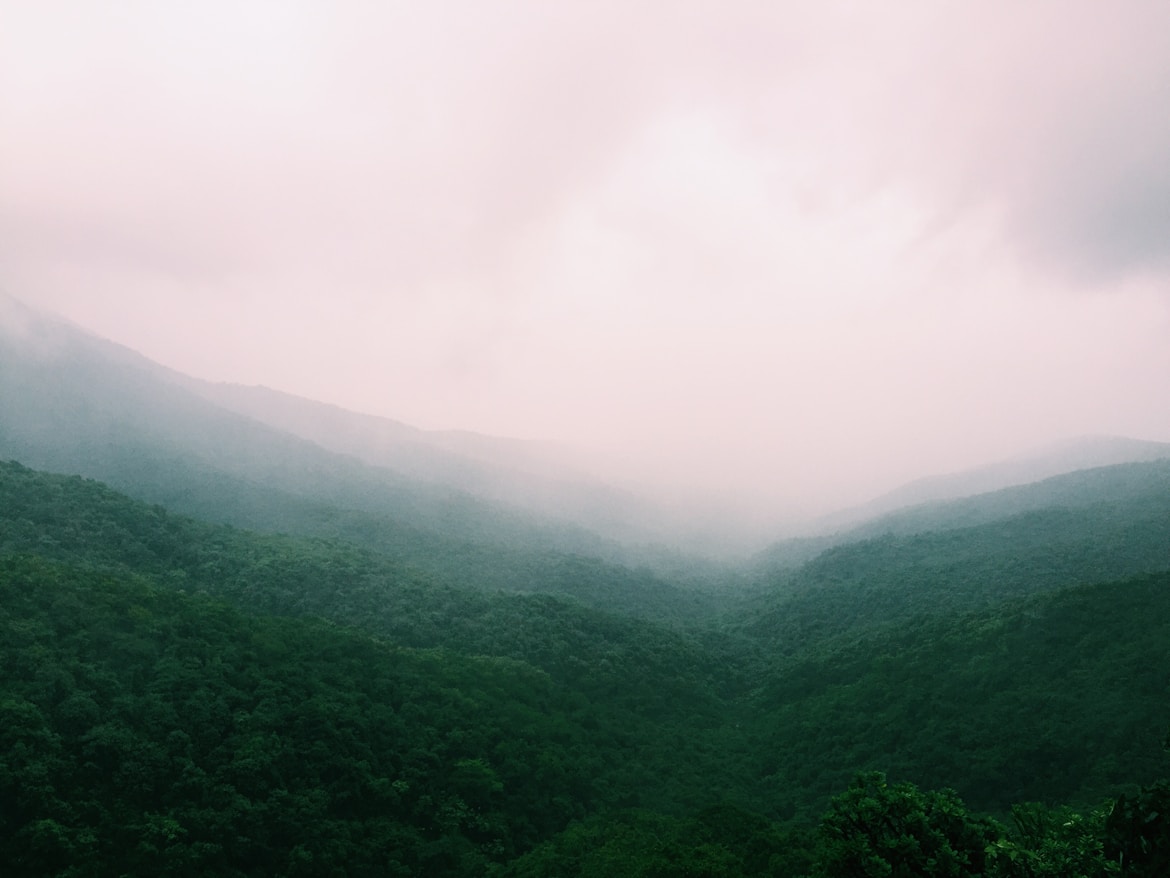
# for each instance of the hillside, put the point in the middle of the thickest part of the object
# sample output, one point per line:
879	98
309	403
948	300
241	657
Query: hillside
1121	483
1054	698
76	403
72	403
152	733
1087	452
68	399
250	652
725	699
68	519
1103	524
535	476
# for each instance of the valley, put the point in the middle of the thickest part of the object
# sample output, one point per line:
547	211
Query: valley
236	646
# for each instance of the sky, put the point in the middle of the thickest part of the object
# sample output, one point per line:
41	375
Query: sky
804	251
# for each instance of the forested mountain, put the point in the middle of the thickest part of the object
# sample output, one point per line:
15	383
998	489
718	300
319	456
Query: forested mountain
528	475
255	647
1086	452
190	698
70	402
76	403
633	697
73	402
1042	699
1115	484
1099	525
1138	481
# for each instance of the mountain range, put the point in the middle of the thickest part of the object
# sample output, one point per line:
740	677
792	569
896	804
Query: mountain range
246	633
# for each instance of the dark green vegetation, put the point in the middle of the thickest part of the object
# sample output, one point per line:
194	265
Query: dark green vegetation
188	698
385	675
1097	525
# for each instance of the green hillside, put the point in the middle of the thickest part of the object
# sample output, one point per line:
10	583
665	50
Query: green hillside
1057	698
892	579
87	407
1120	484
70	519
150	733
72	402
189	698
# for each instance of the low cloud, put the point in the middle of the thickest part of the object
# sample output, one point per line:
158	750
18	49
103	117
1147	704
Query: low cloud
829	243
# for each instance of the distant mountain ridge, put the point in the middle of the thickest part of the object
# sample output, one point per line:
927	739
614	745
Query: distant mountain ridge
521	473
1090	526
1071	474
1083	452
73	403
393	441
62	387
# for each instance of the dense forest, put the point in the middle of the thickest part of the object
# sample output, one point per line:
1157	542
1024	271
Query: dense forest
266	637
183	697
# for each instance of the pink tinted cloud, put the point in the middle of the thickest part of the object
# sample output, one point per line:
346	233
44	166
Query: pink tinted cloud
759	232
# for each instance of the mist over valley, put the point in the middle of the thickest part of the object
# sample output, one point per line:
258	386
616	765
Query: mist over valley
179	500
584	439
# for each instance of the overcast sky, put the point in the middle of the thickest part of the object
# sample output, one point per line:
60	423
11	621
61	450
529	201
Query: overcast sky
813	249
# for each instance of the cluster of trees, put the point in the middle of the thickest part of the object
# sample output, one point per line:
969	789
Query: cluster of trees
891	579
156	733
186	698
1052	698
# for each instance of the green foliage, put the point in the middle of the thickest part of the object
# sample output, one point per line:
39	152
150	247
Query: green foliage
1051	699
1137	832
80	521
718	842
876	829
886	581
157	733
1054	843
73	518
187	698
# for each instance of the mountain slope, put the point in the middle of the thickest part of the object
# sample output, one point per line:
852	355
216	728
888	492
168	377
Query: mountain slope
1086	452
114	646
152	733
73	403
68	376
71	520
1057	698
1073	490
1097	525
527	475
